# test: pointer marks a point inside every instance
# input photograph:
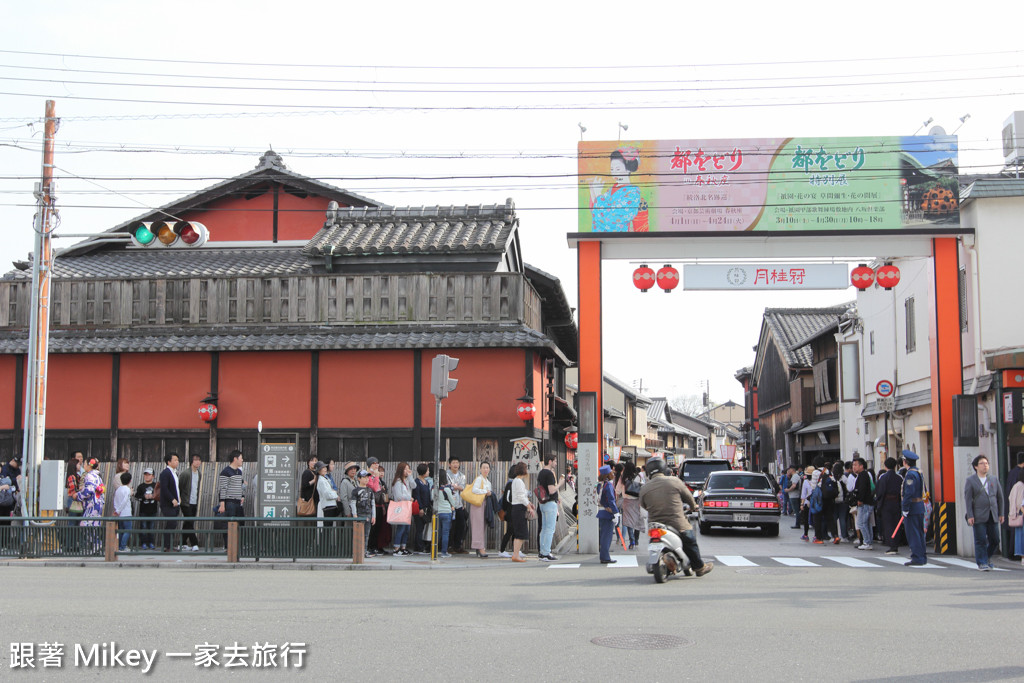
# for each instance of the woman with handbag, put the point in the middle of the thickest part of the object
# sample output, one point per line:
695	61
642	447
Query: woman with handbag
400	509
522	509
481	487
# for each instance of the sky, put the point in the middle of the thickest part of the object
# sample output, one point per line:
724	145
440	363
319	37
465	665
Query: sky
464	103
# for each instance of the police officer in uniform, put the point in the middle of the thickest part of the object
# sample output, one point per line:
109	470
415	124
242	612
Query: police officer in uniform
913	510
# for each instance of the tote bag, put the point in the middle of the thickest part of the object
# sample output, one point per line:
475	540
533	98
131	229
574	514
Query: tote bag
400	512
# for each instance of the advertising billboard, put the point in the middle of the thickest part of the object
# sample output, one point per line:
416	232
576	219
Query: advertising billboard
779	184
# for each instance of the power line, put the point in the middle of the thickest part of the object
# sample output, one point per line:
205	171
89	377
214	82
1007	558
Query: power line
545	67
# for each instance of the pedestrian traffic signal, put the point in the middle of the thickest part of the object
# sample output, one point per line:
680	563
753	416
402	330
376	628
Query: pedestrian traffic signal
440	383
168	234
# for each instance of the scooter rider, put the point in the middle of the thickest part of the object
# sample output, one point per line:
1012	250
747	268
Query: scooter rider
663	497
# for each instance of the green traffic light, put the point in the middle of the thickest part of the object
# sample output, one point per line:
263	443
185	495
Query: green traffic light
143	235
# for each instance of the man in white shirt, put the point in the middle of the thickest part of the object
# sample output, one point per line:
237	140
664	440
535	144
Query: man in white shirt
170	498
457	480
123	509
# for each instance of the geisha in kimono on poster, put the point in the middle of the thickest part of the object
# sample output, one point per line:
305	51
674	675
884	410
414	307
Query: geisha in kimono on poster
620	208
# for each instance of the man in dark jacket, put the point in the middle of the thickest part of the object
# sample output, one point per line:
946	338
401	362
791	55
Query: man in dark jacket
865	500
887	496
170	498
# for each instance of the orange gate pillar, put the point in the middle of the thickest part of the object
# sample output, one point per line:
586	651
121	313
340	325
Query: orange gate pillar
947	381
588	452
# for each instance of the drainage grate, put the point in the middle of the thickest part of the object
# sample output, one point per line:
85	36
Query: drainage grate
769	571
642	641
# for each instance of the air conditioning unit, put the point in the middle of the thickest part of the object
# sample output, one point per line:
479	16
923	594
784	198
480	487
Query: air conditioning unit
1013	139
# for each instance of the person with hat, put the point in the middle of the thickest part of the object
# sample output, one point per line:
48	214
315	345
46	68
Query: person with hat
664	498
327	506
148	495
362	505
606	514
912	507
346	487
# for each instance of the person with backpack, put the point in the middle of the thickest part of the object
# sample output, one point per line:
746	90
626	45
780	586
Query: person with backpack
825	522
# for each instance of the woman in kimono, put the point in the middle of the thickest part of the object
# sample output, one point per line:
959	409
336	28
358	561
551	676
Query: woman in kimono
91	497
621	208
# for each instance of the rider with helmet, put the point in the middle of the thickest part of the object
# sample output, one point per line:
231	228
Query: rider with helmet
663	498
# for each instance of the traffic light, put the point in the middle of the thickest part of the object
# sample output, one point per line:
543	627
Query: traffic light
175	234
440	383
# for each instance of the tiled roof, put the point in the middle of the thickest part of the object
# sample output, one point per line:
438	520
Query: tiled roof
555	311
983	188
290	339
205	262
793	327
422	230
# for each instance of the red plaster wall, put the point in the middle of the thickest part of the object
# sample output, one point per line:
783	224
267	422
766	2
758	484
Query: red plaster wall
233	219
8	401
78	391
270	386
490	381
163	390
371	389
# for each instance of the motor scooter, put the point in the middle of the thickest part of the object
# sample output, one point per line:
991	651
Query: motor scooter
665	555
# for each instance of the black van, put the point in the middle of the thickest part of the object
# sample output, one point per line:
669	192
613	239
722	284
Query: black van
694	471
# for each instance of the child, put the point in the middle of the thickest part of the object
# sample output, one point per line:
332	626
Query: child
148	495
123	510
362	505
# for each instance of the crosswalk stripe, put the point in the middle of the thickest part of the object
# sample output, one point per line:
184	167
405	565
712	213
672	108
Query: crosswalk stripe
564	566
966	564
900	560
624	561
795	562
735	561
849	561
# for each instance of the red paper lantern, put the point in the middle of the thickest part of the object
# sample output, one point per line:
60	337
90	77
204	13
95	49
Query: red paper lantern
526	411
643	278
862	277
668	278
888	276
572	440
208	412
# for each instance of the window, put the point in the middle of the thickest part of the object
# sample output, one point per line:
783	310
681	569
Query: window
824	381
962	290
849	370
911	327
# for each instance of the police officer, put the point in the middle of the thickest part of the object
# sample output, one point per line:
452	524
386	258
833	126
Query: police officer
913	510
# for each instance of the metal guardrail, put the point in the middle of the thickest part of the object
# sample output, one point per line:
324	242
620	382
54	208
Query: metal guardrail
237	537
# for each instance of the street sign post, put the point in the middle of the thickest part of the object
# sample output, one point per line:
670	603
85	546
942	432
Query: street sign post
278	457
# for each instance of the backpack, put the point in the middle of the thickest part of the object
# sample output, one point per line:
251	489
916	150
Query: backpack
7	495
829	488
815	500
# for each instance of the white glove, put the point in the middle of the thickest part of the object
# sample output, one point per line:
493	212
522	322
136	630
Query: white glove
617	518
905	514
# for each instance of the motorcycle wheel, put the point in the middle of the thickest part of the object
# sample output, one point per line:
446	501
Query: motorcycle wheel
660	571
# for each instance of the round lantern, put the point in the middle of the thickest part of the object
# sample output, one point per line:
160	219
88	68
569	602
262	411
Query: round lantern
572	440
208	412
526	410
668	278
643	278
888	276
862	277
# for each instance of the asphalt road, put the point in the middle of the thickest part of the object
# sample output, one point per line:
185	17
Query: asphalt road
529	622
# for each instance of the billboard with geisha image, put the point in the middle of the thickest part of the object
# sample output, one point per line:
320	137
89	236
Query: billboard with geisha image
856	183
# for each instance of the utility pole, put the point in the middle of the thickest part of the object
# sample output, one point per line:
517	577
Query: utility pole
39	324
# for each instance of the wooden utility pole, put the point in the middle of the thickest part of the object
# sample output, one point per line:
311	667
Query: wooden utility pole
39	324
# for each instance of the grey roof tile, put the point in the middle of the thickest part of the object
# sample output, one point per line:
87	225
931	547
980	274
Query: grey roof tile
141	340
162	263
413	231
793	327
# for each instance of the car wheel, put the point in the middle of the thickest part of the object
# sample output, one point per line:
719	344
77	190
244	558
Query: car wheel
660	571
705	528
770	529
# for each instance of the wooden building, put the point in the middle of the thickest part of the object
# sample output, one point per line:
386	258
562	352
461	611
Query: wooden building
325	328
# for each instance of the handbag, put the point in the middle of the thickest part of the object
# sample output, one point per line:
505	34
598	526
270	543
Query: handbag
75	508
305	508
476	499
400	512
415	508
540	492
531	514
633	490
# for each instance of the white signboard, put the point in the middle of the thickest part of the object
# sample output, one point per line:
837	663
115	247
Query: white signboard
766	276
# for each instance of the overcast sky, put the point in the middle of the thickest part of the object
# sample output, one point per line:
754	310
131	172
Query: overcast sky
459	103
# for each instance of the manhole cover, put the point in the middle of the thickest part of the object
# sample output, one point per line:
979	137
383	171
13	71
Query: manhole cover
770	571
643	641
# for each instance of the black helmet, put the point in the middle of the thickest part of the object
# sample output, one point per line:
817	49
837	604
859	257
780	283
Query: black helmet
655	466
